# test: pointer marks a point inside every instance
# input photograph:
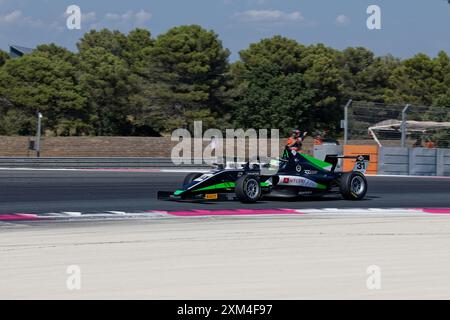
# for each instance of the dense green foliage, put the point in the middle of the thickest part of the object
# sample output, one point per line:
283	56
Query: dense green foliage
136	84
3	57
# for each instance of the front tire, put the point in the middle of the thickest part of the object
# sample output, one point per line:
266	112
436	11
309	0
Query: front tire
191	177
248	189
353	185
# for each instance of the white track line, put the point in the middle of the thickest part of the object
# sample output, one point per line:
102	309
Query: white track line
185	215
72	214
183	170
36	169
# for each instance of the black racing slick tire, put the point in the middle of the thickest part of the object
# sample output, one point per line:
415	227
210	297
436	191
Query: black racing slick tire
248	189
191	177
353	185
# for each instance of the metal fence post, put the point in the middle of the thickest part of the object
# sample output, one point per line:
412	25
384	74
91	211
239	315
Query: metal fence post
346	120
403	143
38	135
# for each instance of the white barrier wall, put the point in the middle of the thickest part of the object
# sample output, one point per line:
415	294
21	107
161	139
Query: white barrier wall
414	161
443	162
422	162
393	160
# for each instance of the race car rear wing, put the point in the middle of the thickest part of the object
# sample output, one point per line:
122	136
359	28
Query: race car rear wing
361	163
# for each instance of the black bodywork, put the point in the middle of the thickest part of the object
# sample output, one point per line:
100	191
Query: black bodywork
293	175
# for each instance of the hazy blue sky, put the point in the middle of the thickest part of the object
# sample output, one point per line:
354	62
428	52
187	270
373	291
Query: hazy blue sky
408	26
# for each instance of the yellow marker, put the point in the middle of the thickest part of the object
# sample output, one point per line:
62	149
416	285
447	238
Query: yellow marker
211	196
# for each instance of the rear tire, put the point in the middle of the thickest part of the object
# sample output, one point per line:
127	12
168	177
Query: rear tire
248	189
353	185
191	177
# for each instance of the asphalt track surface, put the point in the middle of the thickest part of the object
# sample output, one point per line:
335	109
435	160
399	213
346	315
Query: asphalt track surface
56	191
323	256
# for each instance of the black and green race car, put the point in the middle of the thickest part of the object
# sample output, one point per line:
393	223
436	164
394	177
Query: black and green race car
293	175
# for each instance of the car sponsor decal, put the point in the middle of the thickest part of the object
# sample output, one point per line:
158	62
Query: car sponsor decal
297	181
204	177
308	172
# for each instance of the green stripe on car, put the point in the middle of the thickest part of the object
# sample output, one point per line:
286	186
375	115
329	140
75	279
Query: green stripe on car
321	186
225	185
316	162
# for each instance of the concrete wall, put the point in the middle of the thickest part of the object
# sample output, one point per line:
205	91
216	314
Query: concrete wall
393	160
414	161
443	162
100	146
89	147
422	162
116	146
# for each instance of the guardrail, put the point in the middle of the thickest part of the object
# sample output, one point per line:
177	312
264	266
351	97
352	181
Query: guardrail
391	160
87	163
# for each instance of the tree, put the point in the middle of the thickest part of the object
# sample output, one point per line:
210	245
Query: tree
440	112
139	41
193	66
3	57
16	122
286	53
144	77
375	78
54	51
322	73
113	42
42	82
365	77
354	63
315	67
273	99
130	48
441	72
132	53
413	81
133	84
107	83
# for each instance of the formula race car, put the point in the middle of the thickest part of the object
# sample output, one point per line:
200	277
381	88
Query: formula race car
293	175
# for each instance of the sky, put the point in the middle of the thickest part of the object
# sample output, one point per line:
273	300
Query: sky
407	26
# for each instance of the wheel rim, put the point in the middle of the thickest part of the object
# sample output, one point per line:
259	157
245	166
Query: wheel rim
252	189
357	185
